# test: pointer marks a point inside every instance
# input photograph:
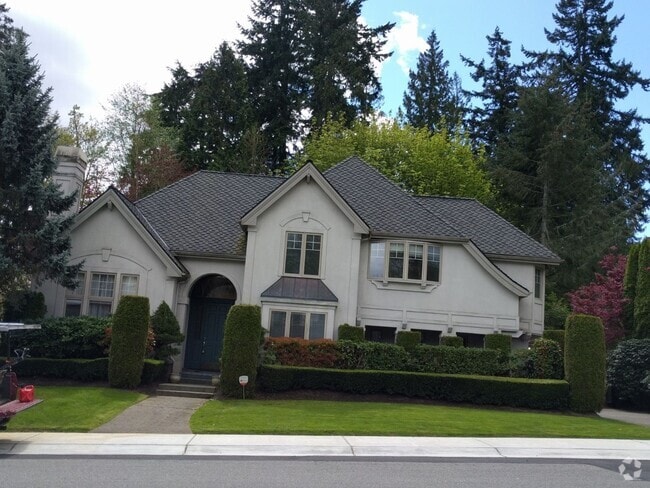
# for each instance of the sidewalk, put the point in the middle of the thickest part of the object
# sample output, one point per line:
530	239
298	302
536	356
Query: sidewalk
96	444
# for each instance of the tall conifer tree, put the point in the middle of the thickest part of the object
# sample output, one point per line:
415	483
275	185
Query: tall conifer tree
34	240
432	94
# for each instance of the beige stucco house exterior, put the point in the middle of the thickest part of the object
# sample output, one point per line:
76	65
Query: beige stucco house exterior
314	250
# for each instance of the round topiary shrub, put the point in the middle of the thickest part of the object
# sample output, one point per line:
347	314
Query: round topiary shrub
408	339
547	360
584	362
628	367
452	341
500	342
556	335
166	332
349	333
128	342
241	343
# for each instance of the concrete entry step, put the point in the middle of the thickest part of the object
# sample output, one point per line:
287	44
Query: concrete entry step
199	377
186	390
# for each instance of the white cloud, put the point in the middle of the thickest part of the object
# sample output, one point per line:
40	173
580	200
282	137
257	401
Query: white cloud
405	40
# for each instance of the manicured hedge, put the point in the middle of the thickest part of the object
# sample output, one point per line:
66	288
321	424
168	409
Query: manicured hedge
500	342
548	362
128	342
241	343
350	333
452	341
627	367
584	362
65	338
82	369
408	339
514	392
455	360
321	353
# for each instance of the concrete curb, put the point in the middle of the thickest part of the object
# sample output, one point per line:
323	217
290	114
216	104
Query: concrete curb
96	444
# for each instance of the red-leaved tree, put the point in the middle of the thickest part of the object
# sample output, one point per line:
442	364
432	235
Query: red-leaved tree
603	297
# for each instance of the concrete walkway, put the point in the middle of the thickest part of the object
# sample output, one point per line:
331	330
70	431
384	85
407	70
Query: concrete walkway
638	418
94	444
155	415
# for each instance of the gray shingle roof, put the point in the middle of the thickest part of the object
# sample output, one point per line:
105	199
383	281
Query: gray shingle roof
300	288
200	214
491	233
385	207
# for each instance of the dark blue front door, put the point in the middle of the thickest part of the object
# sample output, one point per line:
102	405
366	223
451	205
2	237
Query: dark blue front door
205	333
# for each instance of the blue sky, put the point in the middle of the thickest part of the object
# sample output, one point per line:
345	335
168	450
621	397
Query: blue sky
88	50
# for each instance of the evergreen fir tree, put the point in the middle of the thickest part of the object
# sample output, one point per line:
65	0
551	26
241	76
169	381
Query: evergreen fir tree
34	240
431	99
490	120
584	39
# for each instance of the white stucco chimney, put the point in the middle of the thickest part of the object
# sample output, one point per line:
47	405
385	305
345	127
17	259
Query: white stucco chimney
70	172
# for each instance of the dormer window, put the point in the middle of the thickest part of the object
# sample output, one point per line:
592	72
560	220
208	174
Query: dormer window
302	256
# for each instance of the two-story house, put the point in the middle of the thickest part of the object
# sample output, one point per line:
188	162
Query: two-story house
314	250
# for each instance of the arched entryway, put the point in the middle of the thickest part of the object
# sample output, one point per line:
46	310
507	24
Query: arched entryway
210	300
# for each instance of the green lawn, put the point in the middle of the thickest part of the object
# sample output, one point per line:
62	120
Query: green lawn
402	419
73	408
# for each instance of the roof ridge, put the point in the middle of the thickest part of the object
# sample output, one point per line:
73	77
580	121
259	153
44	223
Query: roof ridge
447	197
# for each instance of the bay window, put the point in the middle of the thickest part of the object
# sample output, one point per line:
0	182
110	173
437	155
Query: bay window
303	325
408	261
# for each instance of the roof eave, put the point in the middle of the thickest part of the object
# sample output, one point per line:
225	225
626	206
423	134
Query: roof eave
525	259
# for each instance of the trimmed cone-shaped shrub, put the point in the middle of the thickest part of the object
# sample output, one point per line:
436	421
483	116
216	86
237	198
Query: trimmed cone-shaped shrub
629	289
500	342
166	331
627	368
241	344
584	362
642	298
128	342
349	333
408	339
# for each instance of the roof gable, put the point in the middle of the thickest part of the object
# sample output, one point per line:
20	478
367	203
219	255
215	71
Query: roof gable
115	201
386	208
311	174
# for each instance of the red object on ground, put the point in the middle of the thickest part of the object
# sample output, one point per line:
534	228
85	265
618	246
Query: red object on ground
26	394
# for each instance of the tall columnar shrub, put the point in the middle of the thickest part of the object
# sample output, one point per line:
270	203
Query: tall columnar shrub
629	289
348	332
128	342
500	342
166	332
642	292
584	362
241	344
408	339
627	368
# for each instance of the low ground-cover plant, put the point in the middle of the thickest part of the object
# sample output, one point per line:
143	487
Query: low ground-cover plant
514	392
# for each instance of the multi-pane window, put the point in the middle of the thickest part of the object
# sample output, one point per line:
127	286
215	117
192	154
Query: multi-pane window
102	289
413	261
304	325
74	297
129	285
302	255
538	283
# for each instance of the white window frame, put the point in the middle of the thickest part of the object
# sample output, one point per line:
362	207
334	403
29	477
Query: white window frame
303	253
538	286
137	284
405	261
287	321
102	299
